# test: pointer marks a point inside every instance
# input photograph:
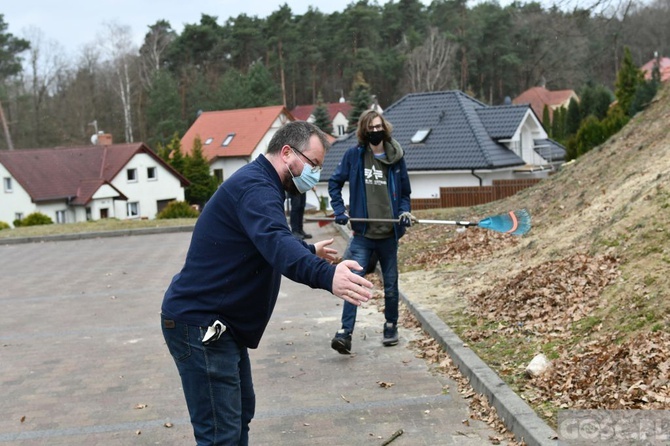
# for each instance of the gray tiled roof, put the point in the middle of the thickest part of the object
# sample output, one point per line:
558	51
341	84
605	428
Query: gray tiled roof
463	134
502	121
549	149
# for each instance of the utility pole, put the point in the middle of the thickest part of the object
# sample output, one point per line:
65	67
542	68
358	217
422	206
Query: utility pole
8	137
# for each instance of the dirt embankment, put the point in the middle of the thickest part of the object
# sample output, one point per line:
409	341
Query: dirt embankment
587	286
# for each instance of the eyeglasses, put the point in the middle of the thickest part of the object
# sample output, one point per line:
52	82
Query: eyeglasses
315	166
377	127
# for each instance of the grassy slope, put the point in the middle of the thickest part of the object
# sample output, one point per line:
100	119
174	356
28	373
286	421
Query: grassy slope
599	241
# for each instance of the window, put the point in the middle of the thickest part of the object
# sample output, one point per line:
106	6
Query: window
133	209
218	174
18	216
228	139
420	136
341	130
208	141
60	217
7	182
132	175
151	173
162	204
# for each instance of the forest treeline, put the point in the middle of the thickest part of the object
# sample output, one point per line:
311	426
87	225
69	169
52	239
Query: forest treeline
156	91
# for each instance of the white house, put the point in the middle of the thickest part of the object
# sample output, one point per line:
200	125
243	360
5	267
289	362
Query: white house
338	113
453	140
123	181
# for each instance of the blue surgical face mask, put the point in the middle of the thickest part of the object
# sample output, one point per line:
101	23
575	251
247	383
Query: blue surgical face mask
307	178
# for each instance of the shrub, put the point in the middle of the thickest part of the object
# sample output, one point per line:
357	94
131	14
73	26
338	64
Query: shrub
178	209
4	225
34	219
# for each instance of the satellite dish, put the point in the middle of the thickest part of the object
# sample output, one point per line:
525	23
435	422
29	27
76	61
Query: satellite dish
94	139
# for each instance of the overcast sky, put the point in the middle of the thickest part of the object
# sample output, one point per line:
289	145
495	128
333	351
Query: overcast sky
74	23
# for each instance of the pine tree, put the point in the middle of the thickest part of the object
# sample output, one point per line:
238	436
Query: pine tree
646	90
196	170
321	117
590	134
628	79
360	101
546	121
175	157
573	118
558	124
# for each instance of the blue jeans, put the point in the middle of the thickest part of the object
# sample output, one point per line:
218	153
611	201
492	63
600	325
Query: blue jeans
360	249
217	383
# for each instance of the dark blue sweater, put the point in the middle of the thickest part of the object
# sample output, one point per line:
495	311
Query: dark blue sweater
240	248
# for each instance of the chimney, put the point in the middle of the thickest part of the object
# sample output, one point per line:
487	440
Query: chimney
104	139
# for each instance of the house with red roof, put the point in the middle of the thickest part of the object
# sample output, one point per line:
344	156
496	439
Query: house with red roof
663	66
538	97
232	138
337	111
75	184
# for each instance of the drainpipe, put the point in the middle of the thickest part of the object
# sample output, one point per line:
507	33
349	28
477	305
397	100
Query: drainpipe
481	180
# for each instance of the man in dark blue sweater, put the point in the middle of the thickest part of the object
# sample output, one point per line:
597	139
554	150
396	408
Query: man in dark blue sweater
219	304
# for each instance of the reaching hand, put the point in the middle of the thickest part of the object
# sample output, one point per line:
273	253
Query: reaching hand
324	251
406	219
349	286
341	219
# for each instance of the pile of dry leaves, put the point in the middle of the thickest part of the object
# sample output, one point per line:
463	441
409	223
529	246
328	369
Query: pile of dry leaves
471	244
606	374
550	297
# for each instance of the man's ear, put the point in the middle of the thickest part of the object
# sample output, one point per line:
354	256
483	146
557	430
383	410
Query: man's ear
285	152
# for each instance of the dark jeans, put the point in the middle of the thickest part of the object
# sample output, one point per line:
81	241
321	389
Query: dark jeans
217	384
361	249
298	203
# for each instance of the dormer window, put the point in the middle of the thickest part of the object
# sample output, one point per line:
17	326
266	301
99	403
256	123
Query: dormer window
420	136
209	141
228	140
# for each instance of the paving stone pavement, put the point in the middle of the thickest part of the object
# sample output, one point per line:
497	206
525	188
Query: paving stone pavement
83	359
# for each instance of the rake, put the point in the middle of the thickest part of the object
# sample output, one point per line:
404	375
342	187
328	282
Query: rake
513	222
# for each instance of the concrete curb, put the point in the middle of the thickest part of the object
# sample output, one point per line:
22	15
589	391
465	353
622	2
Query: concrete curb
518	417
101	234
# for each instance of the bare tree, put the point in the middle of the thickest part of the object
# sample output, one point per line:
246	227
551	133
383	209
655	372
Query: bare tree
429	65
46	62
152	52
117	43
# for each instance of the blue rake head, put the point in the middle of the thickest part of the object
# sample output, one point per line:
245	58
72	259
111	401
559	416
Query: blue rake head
514	222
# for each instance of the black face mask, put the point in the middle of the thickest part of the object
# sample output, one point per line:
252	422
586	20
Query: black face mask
376	137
